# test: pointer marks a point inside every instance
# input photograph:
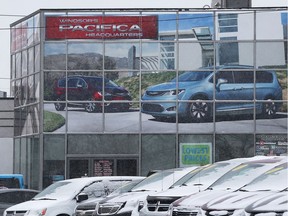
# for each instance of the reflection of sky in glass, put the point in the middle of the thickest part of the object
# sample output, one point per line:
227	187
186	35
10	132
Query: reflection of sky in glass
284	18
55	48
167	22
85	48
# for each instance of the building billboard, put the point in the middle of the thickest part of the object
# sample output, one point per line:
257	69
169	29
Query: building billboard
99	27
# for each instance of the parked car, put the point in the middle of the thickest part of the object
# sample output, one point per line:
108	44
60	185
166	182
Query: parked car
11	181
10	197
271	182
85	91
158	204
191	94
127	203
275	204
62	197
87	208
228	183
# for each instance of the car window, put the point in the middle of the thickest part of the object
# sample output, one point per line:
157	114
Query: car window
244	76
81	83
9	183
274	179
192	76
227	75
264	77
72	82
62	83
16	196
96	189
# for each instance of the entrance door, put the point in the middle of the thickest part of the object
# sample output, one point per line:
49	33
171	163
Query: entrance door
78	167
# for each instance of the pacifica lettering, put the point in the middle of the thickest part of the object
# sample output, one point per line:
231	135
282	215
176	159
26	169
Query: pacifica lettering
100	28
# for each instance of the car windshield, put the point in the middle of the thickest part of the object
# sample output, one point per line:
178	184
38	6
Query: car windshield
273	180
98	82
188	176
64	188
159	181
208	175
125	188
192	76
237	177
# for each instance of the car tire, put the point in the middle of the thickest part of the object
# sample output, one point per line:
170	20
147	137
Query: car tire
91	106
269	109
198	110
59	106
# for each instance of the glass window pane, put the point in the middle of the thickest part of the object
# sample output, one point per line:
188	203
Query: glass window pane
164	146
55	56
85	56
228	146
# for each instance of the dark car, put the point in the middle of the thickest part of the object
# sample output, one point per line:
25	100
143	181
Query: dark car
10	197
86	91
234	89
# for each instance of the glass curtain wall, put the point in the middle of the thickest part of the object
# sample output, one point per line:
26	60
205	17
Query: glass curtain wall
192	87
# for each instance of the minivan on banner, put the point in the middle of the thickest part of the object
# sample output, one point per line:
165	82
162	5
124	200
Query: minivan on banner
101	27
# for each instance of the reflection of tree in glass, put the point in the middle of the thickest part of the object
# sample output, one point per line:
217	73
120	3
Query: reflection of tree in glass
233	146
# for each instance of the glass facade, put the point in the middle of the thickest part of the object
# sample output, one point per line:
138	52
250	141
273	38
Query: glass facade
124	92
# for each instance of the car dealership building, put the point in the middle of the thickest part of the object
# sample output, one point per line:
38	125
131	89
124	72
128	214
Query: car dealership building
57	137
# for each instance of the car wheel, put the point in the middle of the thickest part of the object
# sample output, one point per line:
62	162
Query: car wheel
198	111
91	106
59	106
269	109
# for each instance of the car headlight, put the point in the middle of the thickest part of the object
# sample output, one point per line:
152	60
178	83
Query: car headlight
174	92
39	212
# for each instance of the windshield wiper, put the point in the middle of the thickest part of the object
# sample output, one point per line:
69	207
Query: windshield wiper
44	198
142	190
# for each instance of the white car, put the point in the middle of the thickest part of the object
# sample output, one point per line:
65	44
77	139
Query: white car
271	182
276	204
199	180
62	197
128	203
228	183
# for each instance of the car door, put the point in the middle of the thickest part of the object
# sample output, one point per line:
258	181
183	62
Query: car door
244	88
77	88
225	91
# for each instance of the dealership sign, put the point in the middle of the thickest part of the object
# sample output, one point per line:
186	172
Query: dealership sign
195	154
101	27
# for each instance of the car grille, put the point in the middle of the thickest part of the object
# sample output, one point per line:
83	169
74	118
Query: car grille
108	209
180	213
152	107
84	213
155	93
15	213
160	204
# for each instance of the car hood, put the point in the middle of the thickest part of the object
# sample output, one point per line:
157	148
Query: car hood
116	90
181	191
128	196
34	205
235	200
171	86
198	199
274	203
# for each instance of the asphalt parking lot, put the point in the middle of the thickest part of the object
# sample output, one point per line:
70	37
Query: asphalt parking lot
78	120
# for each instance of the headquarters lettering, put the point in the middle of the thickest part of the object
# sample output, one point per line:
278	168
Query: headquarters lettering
100	28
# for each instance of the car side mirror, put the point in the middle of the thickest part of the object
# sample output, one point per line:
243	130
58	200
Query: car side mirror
81	197
220	82
79	86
